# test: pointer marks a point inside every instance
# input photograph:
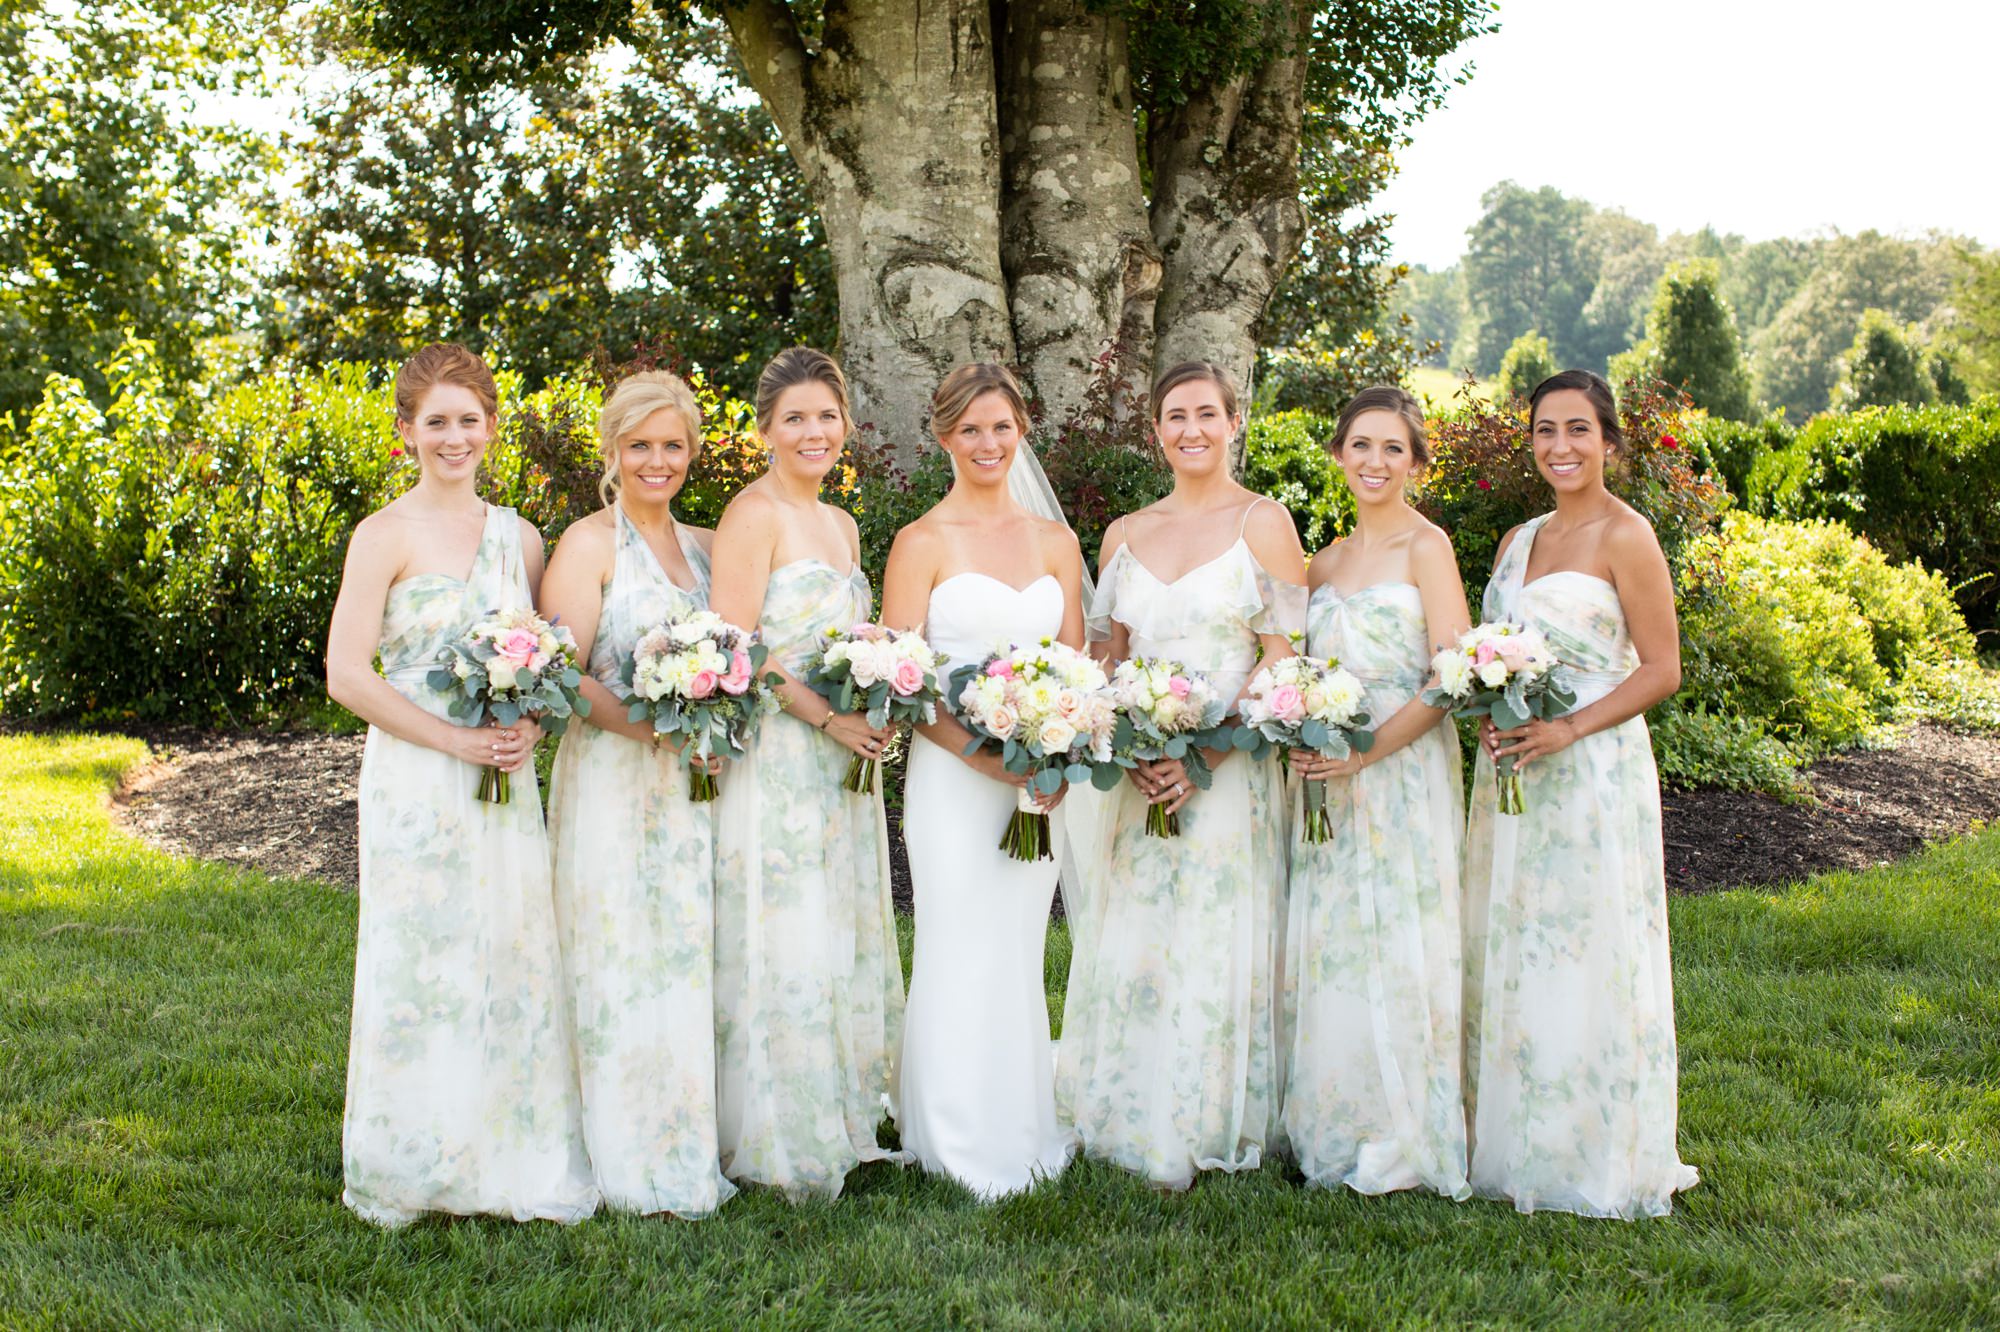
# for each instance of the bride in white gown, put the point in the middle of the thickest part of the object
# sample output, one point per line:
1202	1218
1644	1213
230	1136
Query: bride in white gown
979	572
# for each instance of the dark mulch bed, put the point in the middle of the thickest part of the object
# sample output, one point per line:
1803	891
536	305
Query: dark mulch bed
284	803
1873	806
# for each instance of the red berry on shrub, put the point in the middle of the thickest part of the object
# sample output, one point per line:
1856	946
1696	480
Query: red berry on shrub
1484	484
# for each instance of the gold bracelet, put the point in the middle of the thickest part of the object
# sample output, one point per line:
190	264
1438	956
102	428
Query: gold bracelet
826	721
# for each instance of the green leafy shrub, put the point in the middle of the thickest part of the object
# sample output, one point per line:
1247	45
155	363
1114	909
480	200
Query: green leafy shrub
1958	693
1527	363
1731	449
1919	483
152	571
1807	629
1285	457
188	572
1706	748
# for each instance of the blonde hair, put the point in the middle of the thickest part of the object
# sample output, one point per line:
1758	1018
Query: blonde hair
1191	372
789	369
1385	398
444	363
967	385
627	407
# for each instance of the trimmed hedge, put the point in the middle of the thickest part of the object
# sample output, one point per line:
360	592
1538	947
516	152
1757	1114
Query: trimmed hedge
1920	483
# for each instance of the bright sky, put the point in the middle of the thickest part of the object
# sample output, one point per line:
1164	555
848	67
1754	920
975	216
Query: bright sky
1762	117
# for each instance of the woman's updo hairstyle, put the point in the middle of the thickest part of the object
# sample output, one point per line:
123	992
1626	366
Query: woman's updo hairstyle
443	363
1591	386
1385	398
630	402
965	386
789	369
1190	372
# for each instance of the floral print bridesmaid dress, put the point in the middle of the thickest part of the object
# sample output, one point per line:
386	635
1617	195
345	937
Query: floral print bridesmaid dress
1373	1096
1170	1061
461	1076
808	983
1569	985
634	890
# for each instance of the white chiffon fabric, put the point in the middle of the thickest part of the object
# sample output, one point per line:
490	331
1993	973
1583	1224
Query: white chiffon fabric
808	979
976	1098
1171	1060
1569	985
1374	1098
461	1077
635	898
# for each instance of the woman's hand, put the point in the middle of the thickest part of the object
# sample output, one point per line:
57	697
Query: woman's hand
852	731
1538	738
495	746
1047	803
1314	767
1163	782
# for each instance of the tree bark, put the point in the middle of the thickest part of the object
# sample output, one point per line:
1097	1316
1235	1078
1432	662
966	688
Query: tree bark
1226	212
893	121
1082	269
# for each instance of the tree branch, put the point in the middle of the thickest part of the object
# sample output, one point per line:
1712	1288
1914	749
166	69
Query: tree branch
774	56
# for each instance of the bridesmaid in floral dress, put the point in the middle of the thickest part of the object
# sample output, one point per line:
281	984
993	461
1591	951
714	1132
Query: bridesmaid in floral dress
1373	1099
1569	983
809	984
1170	1061
461	1079
634	857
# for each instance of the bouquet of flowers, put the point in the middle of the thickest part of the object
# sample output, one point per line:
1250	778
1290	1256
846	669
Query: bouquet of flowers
1506	672
1048	710
1306	703
511	664
1166	710
696	676
891	674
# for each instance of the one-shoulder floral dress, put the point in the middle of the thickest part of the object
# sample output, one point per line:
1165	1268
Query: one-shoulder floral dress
1374	1098
635	898
1170	1059
461	1074
1569	983
809	983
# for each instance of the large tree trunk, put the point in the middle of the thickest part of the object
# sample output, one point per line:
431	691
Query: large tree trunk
893	121
1082	269
1226	211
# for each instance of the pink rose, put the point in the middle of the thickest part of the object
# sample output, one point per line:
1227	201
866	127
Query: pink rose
1512	651
908	678
1287	703
738	678
1485	652
1001	721
703	684
1001	669
518	646
1179	686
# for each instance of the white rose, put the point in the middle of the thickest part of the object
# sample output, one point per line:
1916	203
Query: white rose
1493	674
500	675
1057	736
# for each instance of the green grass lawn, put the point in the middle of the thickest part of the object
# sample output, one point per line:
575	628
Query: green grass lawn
173	1034
1439	386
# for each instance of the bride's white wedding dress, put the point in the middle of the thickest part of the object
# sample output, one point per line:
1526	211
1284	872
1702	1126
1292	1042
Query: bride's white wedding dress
977	1096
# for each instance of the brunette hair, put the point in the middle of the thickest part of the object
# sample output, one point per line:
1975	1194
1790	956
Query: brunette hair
1591	386
965	386
443	363
789	369
630	402
1189	372
1385	398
